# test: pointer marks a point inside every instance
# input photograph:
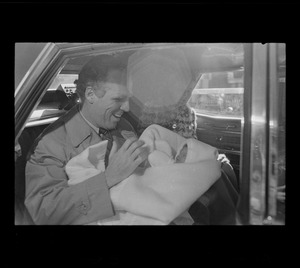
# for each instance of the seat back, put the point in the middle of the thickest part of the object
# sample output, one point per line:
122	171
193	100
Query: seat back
217	206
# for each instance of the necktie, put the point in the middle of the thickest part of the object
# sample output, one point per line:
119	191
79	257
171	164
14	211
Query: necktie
106	135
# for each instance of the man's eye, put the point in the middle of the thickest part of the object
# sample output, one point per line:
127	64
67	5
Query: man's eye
119	99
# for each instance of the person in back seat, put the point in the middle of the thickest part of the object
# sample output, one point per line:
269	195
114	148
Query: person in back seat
104	99
181	120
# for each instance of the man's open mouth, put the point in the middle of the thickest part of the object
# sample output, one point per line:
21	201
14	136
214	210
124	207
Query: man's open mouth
118	115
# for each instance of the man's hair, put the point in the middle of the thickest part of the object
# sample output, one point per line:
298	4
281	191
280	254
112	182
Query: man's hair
96	70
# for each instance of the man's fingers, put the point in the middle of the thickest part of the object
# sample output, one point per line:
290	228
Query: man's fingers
128	143
135	145
141	151
140	158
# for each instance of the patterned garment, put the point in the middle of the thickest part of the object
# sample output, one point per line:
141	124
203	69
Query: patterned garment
181	120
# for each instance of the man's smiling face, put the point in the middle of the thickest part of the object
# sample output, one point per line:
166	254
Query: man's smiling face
107	109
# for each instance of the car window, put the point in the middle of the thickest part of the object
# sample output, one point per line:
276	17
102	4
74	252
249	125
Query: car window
219	94
59	97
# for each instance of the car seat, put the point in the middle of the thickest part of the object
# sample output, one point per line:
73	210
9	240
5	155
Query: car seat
218	205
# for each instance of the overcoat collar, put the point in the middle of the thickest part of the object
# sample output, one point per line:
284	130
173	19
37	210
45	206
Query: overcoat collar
77	128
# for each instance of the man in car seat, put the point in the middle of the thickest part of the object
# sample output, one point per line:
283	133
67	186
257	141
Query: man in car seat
104	99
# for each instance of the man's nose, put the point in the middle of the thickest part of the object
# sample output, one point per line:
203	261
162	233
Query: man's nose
125	106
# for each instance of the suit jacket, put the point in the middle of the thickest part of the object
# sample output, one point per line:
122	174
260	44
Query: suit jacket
49	198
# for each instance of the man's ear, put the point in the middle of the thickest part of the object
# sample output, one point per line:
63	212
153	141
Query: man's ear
89	94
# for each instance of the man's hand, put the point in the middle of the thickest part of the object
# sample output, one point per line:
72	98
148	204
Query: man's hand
124	162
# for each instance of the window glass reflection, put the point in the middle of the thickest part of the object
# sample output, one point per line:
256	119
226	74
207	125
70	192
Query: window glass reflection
219	93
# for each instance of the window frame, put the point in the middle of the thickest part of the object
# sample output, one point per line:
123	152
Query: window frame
47	66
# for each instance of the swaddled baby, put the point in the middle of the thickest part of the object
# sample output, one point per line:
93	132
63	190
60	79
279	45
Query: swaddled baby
162	155
151	197
90	162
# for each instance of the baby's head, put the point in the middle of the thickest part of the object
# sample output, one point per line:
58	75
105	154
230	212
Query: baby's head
161	154
159	158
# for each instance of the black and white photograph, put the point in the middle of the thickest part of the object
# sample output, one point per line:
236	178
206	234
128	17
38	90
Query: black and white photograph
150	133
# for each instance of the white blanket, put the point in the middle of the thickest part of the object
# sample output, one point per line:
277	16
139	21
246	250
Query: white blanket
161	192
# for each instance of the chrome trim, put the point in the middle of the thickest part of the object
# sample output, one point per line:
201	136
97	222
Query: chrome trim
243	204
93	49
36	68
235	152
33	74
273	133
31	88
218	116
229	90
41	122
257	203
259	139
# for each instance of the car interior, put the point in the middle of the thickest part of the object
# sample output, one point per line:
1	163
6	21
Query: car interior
218	205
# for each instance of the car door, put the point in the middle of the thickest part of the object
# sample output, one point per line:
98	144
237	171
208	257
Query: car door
241	111
262	198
